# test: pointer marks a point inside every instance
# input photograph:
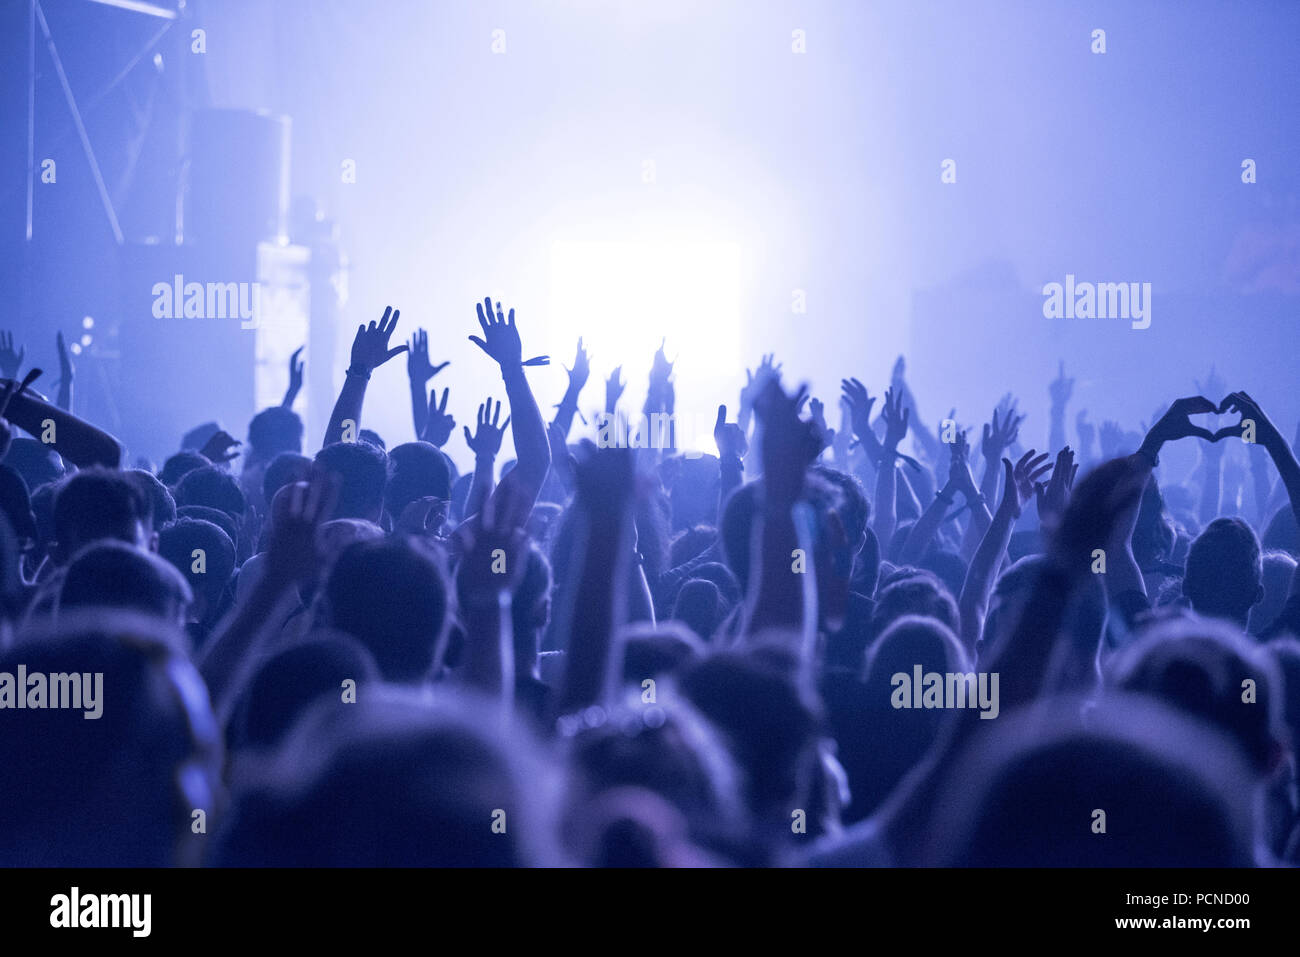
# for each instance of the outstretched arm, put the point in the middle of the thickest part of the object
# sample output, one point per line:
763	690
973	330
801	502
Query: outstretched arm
885	519
732	448
1018	486
1253	420
75	439
419	370
578	376
1060	391
369	351
998	437
597	605
494	552
781	583
532	449
485	443
295	379
296	513
959	480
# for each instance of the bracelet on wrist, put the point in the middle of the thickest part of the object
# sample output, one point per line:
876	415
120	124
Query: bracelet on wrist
359	373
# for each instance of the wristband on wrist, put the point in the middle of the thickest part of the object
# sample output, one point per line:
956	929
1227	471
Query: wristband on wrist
364	374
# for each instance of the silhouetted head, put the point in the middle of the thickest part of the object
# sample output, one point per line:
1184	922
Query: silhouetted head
395	781
289	682
361	470
655	651
666	751
916	593
770	726
212	488
285	469
415	470
701	607
162	507
273	431
1142	786
119	789
179	465
204	555
113	574
391	596
35	461
1210	670
98	504
1224	573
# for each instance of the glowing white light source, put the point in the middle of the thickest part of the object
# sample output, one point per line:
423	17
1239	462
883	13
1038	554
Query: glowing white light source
75	348
624	297
88	323
86	339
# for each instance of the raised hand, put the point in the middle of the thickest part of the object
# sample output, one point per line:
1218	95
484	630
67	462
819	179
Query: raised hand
998	436
756	380
896	418
501	338
561	458
438	426
297	511
1176	424
1266	433
1087	431
661	368
790	444
605	479
295	378
418	367
1021	479
221	448
370	346
1060	388
817	413
1053	494
614	389
959	474
730	437
10	361
498	528
486	440
581	370
859	404
1111	437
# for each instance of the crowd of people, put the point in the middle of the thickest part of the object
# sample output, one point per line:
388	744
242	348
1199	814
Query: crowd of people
887	643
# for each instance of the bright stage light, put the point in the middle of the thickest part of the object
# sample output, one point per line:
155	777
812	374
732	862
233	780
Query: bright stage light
624	297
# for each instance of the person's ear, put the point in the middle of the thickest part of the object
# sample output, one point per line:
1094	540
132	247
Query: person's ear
153	543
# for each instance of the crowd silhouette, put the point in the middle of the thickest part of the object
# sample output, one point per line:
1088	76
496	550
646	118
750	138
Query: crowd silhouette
887	643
